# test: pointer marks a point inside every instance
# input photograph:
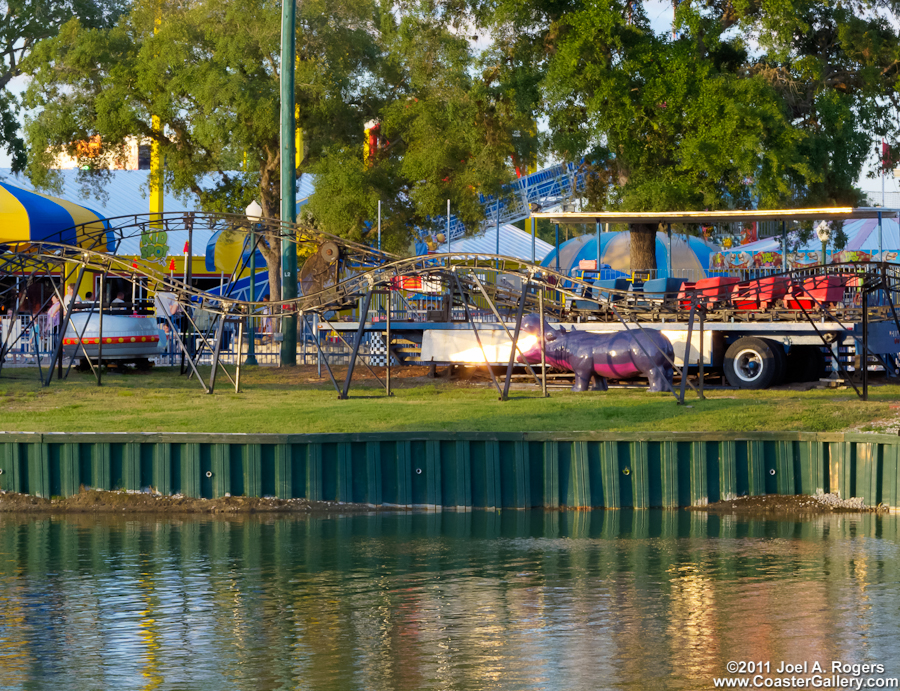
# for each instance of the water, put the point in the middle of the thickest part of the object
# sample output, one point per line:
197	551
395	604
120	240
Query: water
481	600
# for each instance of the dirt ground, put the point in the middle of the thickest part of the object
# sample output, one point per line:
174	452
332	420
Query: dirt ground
94	501
100	502
777	505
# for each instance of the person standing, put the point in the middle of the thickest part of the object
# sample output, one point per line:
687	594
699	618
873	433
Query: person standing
69	298
267	321
53	317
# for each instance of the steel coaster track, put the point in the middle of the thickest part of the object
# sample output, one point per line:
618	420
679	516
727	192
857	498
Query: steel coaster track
563	296
386	271
546	290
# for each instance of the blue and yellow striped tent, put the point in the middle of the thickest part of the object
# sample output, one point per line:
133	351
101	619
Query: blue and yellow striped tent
31	217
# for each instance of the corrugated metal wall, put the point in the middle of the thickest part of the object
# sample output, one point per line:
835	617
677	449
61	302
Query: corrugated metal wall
474	470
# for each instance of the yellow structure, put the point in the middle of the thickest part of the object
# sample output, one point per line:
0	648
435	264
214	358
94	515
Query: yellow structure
157	166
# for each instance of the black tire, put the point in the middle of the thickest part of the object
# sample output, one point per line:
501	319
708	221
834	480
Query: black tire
752	363
781	365
806	363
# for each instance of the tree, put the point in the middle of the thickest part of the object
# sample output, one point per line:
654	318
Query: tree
449	128
210	71
704	119
25	23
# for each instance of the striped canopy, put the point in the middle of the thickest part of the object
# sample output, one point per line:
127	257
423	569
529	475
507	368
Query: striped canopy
690	254
32	217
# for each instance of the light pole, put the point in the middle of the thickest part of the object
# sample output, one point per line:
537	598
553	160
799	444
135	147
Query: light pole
823	231
253	212
288	179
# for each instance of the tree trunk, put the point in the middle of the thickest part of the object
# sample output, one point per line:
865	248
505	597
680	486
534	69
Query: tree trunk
643	246
270	247
273	263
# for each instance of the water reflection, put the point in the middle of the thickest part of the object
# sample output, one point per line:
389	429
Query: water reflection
481	600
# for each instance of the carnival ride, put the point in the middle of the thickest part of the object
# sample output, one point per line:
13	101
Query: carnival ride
765	326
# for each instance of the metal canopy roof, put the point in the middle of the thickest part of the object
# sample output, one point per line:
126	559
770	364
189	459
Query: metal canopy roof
826	214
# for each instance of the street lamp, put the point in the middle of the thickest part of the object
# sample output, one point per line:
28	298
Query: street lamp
823	231
254	213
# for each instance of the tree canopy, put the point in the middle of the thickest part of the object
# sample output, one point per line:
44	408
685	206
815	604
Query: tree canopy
210	71
24	23
449	131
747	103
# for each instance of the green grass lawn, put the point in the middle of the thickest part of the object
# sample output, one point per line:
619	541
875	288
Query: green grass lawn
293	400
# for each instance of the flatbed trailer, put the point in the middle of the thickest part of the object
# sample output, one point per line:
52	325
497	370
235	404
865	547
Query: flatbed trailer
752	356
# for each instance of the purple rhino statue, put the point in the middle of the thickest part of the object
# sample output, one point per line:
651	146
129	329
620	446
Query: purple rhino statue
618	355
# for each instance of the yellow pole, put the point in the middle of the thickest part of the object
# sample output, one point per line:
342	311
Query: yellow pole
157	164
154	245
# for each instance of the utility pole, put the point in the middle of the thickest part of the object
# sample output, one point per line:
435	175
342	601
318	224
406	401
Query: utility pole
288	179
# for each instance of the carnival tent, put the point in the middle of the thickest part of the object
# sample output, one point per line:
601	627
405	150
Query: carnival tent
862	245
27	216
125	195
690	254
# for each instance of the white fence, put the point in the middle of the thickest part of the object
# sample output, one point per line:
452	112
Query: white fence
24	339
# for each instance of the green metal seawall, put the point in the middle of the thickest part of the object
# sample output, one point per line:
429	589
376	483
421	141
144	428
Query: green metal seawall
472	470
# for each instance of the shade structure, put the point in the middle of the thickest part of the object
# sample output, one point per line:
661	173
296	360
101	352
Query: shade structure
513	243
690	254
862	245
229	251
27	216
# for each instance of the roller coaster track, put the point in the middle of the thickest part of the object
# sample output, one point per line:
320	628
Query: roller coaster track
361	269
469	281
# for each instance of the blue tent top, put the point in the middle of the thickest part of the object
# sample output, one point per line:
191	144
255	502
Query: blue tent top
690	254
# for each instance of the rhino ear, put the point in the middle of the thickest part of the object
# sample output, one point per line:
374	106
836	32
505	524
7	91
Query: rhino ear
562	328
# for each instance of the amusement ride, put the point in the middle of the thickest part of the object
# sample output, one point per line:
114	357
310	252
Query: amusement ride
770	326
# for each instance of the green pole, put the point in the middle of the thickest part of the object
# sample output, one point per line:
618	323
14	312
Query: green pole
288	178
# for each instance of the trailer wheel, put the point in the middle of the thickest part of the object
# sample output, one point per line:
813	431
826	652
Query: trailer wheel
781	363
805	363
752	363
